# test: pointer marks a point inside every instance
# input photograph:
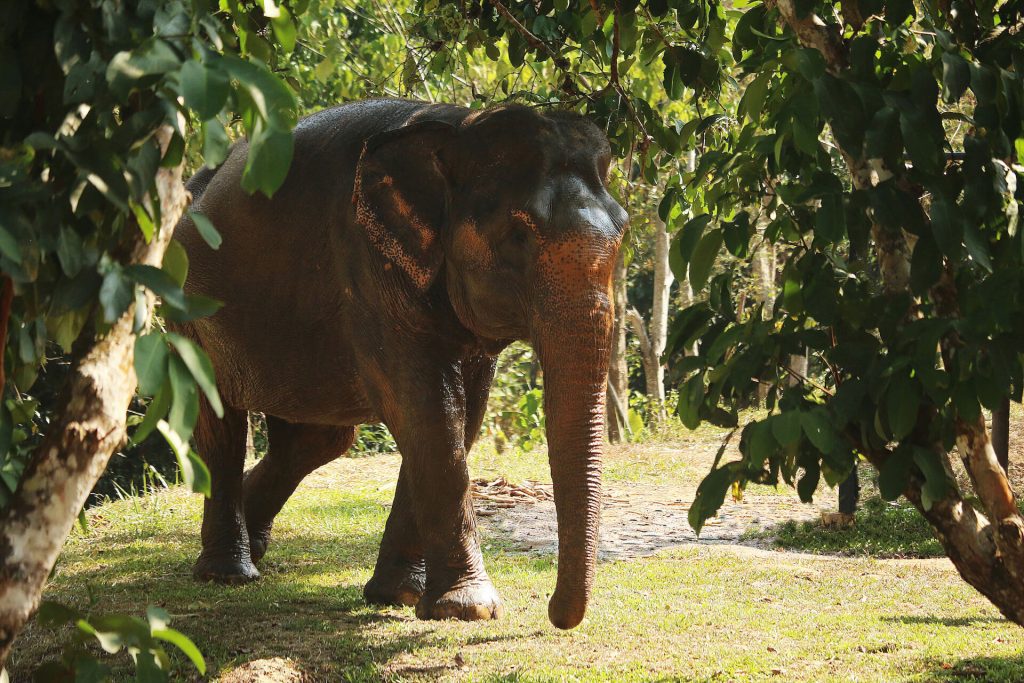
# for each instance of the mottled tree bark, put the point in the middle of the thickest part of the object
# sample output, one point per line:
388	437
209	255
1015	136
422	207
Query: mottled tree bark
654	336
988	552
763	267
89	426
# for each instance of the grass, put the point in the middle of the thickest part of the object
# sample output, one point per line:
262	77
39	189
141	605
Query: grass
697	613
881	529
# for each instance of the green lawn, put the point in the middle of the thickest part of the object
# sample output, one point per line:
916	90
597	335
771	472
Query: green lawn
703	613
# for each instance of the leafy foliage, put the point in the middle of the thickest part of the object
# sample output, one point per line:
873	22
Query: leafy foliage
77	169
144	641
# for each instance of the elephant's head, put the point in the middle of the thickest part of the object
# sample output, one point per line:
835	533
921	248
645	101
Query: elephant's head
508	212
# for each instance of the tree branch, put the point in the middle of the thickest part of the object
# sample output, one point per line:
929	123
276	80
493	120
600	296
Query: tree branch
813	32
534	42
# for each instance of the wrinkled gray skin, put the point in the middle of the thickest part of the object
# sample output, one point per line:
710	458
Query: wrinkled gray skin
409	244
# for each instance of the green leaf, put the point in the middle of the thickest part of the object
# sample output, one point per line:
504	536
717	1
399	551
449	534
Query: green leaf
151	362
882	139
174	153
141	67
54	615
688	239
9	245
116	293
830	220
636	422
156	411
182	642
185	403
201	368
196	306
703	260
691	396
956	76
892	478
160	282
710	496
808	483
808	62
977	246
786	427
274	102
194	472
270	156
935	481
925	264
752	102
819	430
215	143
737	234
157	617
284	30
206	229
142	217
761	444
902	400
947	226
175	262
205	87
69	251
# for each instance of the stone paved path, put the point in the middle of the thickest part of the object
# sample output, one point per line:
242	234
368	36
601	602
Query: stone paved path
640	520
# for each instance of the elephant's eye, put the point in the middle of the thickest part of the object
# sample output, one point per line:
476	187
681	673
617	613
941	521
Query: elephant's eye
517	234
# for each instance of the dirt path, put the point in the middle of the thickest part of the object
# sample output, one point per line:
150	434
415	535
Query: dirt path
637	519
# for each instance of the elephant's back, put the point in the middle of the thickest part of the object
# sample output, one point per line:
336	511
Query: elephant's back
281	267
310	208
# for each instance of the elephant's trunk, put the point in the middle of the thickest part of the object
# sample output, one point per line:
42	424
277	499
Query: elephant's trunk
574	355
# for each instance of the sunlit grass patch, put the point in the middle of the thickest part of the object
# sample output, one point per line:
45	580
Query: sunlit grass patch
692	613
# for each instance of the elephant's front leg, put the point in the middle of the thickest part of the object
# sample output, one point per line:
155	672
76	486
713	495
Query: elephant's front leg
428	423
400	575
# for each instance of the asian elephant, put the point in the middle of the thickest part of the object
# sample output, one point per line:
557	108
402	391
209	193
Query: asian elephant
409	244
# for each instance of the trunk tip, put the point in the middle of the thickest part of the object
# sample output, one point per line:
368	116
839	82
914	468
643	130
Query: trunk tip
566	615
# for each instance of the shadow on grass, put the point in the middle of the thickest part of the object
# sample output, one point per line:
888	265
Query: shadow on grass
989	669
308	605
946	621
881	529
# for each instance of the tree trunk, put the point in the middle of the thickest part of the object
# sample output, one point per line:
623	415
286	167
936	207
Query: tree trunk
89	426
658	334
618	371
654	336
989	555
1001	433
797	369
763	265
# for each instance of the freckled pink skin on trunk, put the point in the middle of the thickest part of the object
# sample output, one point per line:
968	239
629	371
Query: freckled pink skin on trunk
573	339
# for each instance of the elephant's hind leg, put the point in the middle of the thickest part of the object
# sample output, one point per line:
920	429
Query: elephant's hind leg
294	451
222	444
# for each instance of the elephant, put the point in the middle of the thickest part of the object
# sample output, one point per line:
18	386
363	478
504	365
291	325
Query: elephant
408	245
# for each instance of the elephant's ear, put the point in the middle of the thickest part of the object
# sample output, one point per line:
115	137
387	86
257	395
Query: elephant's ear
400	197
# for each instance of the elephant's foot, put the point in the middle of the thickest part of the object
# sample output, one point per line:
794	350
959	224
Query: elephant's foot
399	586
258	542
477	601
226	569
